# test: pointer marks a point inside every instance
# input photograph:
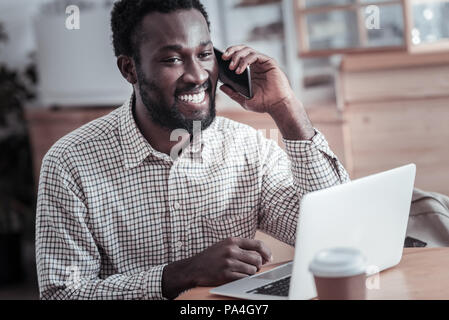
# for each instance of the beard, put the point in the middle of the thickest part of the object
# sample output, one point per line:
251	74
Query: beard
170	117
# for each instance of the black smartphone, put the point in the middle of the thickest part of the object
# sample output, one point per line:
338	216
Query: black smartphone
239	82
413	243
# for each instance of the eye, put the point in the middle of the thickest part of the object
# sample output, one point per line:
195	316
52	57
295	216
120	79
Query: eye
205	54
172	60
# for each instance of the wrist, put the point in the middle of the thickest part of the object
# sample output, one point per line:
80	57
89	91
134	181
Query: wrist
177	277
284	107
292	120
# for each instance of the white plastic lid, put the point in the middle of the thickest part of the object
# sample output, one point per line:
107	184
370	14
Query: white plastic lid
338	262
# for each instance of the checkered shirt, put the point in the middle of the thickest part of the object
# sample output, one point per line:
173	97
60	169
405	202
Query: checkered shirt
112	211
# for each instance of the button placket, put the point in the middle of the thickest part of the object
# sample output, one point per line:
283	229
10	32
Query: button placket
178	209
173	206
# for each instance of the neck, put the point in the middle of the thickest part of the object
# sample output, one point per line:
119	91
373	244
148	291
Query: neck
157	136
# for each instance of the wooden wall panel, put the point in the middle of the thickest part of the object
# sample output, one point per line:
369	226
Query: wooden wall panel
46	126
388	134
396	84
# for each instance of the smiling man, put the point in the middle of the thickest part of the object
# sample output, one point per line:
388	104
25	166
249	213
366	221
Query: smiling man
119	218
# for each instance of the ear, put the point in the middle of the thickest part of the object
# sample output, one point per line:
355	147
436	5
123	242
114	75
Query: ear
127	68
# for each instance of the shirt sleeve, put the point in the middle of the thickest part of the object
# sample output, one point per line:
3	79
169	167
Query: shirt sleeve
305	166
68	259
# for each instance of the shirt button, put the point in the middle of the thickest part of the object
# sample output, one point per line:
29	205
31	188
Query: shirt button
178	245
177	205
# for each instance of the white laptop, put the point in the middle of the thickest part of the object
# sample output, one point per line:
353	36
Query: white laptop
370	214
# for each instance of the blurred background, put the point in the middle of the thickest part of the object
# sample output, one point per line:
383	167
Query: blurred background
373	76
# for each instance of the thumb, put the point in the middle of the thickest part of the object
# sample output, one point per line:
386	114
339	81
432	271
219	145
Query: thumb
234	95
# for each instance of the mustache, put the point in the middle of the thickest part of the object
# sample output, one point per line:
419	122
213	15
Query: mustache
194	88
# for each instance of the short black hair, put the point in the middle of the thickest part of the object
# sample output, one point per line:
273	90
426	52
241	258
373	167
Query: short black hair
127	16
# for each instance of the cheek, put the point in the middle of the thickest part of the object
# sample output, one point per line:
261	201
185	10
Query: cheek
168	77
214	74
167	81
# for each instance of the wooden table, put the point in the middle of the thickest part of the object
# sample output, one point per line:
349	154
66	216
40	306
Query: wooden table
423	273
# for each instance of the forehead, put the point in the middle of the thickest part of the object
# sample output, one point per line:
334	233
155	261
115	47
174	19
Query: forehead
184	27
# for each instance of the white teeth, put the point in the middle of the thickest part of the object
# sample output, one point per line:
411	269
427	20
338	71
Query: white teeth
195	98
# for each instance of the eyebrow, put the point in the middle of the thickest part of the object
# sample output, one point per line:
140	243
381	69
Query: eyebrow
178	47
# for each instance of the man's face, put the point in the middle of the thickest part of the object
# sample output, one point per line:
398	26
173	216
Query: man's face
177	73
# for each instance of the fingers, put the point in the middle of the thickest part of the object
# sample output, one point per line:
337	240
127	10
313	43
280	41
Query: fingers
241	57
230	259
237	266
251	257
238	55
231	50
246	61
257	246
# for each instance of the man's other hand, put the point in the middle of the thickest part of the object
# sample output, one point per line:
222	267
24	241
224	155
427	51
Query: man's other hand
228	260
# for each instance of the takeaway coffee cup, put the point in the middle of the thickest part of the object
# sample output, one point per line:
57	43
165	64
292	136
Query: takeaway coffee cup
339	274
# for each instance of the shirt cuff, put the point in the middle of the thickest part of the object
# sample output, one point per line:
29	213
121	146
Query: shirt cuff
308	150
152	285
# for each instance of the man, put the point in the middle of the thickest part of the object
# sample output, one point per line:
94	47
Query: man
119	218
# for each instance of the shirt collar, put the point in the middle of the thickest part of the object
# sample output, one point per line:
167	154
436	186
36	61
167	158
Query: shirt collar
136	148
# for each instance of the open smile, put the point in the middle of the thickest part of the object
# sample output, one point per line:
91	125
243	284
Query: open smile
194	98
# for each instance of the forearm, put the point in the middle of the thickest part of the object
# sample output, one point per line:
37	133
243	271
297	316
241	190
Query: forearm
306	149
140	286
292	120
306	166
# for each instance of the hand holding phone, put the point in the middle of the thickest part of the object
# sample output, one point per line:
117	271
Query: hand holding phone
240	83
270	90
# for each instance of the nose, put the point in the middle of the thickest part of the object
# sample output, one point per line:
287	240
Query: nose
195	73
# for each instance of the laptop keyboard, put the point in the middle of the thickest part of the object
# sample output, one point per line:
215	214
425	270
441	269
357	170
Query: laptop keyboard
276	288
